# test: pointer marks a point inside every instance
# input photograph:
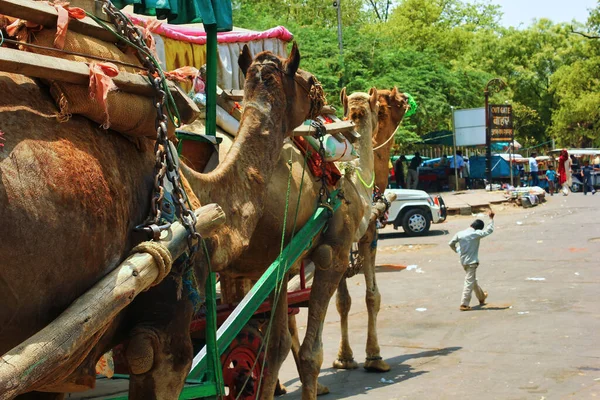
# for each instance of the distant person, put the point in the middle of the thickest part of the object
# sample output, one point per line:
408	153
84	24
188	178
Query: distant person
460	163
564	172
551	176
466	173
444	161
574	163
534	170
399	172
412	180
468	250
586	174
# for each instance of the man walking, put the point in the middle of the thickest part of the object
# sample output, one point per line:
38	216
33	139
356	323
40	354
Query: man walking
586	174
468	249
412	180
533	170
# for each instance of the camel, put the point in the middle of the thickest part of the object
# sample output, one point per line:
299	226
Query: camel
392	107
329	252
71	195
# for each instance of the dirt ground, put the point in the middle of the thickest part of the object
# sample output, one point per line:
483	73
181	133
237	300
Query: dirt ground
538	337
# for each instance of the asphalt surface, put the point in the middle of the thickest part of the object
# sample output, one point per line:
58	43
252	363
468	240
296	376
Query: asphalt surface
537	338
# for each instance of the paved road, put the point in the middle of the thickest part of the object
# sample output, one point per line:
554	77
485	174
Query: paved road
536	339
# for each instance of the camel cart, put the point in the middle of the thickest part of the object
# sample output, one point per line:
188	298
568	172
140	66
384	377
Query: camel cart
223	353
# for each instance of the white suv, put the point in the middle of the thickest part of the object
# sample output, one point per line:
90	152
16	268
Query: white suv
415	210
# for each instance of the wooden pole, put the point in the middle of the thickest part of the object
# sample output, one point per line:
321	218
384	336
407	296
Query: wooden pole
38	356
46	15
59	69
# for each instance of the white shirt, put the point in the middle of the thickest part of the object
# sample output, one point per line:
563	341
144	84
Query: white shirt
468	241
460	162
533	165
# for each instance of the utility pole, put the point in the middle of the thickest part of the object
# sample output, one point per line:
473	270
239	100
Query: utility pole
337	4
454	156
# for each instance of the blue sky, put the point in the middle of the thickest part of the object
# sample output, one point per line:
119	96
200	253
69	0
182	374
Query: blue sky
524	11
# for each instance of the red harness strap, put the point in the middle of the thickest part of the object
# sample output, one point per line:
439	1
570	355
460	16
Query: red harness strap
314	162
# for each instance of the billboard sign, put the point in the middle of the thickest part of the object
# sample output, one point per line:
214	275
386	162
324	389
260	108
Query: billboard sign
469	126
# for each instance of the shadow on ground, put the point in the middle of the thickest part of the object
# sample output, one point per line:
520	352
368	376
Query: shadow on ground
489	308
404	235
335	379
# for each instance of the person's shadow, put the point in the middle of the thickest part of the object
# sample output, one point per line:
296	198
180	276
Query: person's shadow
488	307
336	379
401	234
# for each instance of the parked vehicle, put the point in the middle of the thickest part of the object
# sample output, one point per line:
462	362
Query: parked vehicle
415	211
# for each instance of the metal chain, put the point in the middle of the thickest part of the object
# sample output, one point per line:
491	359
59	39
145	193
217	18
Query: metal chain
320	133
165	160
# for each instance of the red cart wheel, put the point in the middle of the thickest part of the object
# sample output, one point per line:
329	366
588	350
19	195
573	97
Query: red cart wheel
242	364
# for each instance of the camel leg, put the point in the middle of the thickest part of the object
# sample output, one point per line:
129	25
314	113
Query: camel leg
345	358
159	353
367	248
293	327
279	344
326	281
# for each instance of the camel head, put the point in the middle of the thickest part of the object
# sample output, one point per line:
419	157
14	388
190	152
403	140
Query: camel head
361	108
393	106
272	79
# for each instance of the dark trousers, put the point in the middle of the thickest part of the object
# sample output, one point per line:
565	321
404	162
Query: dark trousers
535	180
587	184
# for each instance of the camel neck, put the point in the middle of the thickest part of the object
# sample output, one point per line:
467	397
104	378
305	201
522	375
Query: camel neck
365	163
382	155
238	184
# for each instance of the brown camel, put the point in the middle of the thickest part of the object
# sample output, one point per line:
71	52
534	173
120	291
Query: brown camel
71	195
392	107
330	251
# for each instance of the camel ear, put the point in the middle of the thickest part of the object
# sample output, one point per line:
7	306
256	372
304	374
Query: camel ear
394	92
293	61
344	100
373	98
245	59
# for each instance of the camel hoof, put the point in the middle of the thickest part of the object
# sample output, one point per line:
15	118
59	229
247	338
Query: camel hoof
345	364
322	389
280	389
377	365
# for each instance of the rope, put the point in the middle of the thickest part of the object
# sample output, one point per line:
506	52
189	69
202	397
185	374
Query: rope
279	286
161	255
360	178
388	139
278	289
1	37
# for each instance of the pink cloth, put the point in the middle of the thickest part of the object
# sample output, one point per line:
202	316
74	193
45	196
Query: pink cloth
101	83
197	36
65	13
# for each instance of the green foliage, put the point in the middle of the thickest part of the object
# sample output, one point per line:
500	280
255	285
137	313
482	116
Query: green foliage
444	52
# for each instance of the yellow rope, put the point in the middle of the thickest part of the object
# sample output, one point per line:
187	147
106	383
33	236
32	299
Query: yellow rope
368	186
161	255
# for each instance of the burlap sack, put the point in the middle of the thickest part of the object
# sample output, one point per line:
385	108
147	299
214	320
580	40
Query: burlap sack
129	114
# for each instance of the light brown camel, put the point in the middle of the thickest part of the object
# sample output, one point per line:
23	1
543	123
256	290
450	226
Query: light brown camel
72	193
392	107
331	249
